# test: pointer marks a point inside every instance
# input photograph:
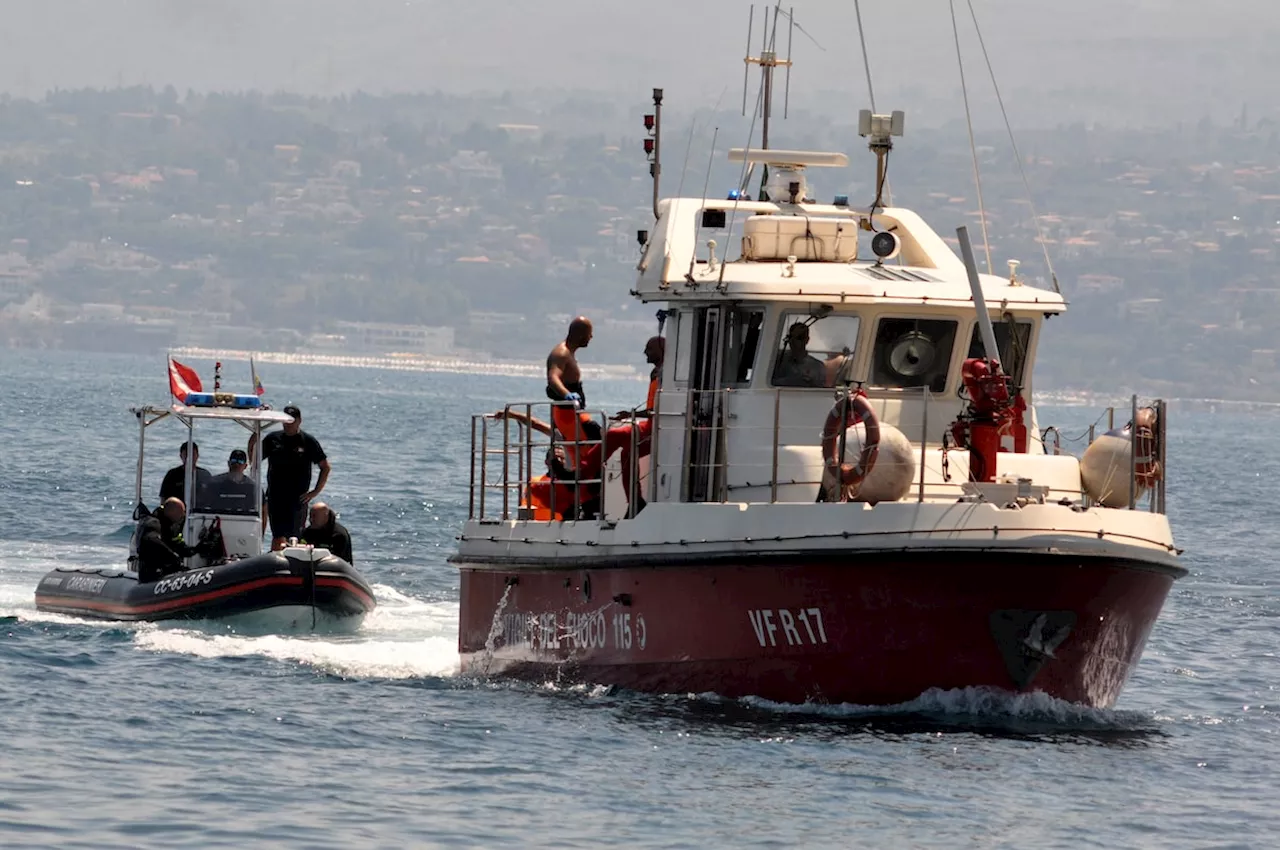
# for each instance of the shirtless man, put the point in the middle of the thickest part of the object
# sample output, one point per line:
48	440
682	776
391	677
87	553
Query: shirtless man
633	437
564	381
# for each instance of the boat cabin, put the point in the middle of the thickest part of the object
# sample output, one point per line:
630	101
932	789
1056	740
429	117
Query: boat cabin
218	500
772	308
777	310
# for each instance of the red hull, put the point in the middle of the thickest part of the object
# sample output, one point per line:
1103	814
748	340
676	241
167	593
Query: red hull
880	629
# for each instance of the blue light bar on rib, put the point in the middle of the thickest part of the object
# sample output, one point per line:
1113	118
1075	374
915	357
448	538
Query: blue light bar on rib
237	400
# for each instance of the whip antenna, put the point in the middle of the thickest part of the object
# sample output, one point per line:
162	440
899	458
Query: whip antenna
746	64
791	31
973	149
1017	157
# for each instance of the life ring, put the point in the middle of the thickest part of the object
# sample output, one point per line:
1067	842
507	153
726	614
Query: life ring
1146	468
850	410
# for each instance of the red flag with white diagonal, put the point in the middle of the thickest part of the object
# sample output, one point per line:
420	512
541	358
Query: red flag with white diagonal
183	381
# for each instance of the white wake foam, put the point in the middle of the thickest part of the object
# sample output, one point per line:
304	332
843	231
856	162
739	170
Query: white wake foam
403	638
980	702
26	563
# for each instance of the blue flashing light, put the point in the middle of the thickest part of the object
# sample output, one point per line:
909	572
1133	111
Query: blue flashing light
841	201
240	401
735	194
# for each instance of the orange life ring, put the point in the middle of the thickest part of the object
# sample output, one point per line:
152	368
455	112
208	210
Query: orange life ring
851	410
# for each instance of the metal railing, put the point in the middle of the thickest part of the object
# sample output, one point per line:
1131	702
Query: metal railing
1147	473
576	463
711	422
503	474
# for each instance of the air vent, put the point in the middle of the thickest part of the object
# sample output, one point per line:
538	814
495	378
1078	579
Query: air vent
896	273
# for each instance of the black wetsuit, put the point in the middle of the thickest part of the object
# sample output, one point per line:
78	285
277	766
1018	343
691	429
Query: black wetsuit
160	547
332	536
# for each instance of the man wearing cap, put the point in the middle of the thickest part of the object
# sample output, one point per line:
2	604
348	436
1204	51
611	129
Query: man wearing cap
290	453
171	486
232	492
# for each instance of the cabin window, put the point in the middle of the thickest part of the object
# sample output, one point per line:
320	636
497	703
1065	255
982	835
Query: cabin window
682	333
913	353
743	344
812	348
1013	338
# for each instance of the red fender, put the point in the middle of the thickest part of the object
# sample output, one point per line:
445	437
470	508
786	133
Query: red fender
851	410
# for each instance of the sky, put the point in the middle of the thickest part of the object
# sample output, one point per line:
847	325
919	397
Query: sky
1140	61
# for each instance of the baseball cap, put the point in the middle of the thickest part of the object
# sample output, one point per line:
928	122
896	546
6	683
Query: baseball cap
238	456
292	410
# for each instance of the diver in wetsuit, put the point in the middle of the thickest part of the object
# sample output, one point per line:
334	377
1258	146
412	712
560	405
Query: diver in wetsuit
160	544
326	532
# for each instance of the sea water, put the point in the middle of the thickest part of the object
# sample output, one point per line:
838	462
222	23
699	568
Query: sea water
190	735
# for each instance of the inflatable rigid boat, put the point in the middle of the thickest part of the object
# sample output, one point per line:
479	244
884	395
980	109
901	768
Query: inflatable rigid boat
299	587
299	584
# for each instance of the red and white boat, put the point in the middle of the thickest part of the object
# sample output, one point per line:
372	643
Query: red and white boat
940	542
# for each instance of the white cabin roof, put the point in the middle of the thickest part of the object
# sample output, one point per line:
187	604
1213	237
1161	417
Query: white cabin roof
674	265
231	414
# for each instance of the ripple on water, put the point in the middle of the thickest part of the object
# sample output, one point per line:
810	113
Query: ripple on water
194	735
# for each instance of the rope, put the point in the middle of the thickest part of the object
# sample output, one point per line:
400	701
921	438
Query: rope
883	181
313	590
1083	434
977	177
866	61
742	177
693	127
973	147
913	532
1035	216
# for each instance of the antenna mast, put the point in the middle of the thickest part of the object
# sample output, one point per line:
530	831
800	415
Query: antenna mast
653	145
768	61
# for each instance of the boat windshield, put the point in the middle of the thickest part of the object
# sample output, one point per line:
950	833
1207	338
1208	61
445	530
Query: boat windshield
225	494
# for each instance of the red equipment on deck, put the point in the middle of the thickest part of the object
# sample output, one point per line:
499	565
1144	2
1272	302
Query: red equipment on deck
995	411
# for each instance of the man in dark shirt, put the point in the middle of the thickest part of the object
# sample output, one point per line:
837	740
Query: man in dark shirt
290	453
232	492
326	532
171	486
796	367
